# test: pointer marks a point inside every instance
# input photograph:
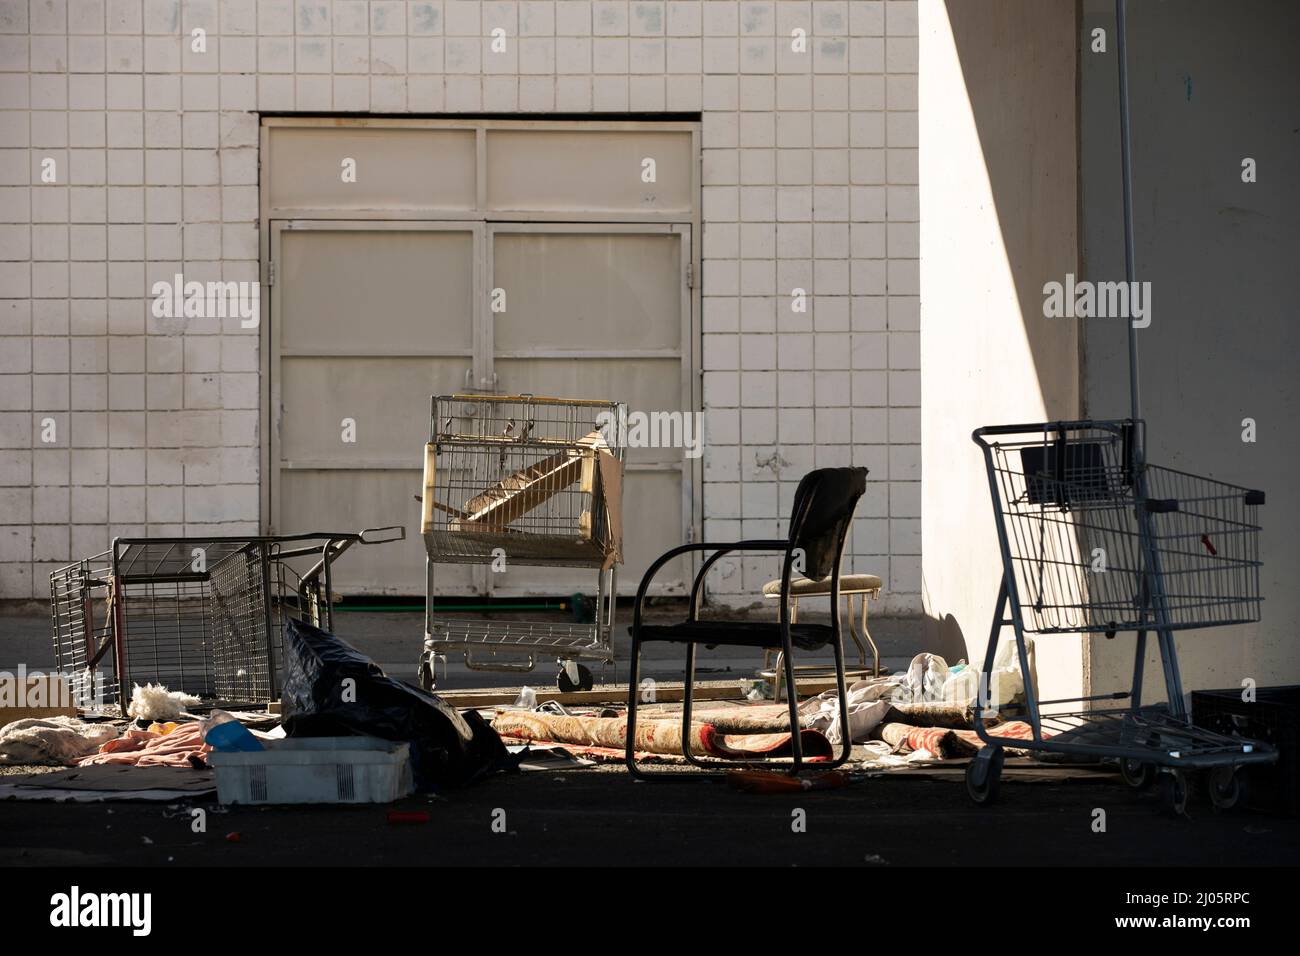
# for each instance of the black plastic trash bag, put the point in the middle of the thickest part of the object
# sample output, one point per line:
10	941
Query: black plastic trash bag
447	748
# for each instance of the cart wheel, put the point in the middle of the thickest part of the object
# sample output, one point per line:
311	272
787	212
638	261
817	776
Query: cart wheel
426	675
585	679
1137	774
1173	792
983	776
1227	788
567	684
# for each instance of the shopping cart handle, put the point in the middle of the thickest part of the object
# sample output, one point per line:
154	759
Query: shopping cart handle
1162	505
383	535
1254	497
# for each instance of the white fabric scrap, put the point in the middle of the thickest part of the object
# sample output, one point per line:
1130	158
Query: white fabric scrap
868	703
52	740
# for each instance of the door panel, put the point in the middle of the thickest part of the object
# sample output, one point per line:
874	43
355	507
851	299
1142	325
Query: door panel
393	169
572	291
351	499
583	171
369	290
382	397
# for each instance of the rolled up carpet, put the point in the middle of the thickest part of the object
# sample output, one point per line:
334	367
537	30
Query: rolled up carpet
652	736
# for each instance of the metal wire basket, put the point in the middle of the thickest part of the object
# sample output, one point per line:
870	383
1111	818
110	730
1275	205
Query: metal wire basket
198	615
1074	522
518	475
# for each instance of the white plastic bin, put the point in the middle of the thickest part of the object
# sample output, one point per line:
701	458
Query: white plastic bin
315	770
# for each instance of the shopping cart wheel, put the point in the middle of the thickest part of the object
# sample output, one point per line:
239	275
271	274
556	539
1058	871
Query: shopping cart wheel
426	674
1227	787
1173	792
983	776
1137	774
585	679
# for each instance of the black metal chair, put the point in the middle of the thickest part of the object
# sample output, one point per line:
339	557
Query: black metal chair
823	509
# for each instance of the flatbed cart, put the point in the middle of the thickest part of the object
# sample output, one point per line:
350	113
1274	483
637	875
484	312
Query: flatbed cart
201	615
1095	541
523	481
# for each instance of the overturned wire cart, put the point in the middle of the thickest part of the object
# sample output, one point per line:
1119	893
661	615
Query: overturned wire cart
198	615
1094	541
522	480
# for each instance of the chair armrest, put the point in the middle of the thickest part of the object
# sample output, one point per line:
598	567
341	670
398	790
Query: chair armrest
756	544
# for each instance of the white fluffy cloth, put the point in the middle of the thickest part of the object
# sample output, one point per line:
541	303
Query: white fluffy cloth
156	702
52	740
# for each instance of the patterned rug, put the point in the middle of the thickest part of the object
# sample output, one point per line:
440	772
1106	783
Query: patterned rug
654	736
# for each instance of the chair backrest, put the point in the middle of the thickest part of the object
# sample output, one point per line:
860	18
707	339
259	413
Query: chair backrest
824	504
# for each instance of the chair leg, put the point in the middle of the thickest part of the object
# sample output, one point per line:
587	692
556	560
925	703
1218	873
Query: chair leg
633	688
777	675
841	682
866	632
688	691
792	695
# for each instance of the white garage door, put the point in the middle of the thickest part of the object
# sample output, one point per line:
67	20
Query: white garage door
373	310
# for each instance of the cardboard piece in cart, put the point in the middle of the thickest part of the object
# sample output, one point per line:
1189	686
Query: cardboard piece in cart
25	695
515	495
611	484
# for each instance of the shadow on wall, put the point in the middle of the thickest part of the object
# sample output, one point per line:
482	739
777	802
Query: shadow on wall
948	641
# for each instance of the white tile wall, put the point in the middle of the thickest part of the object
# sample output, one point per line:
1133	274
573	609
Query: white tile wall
809	171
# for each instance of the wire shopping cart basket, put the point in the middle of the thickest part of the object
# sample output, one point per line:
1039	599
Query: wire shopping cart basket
522	480
1095	541
198	615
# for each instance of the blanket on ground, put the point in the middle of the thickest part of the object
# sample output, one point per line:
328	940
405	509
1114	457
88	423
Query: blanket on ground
181	747
52	740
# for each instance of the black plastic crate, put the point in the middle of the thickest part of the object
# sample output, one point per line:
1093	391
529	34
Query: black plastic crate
1272	717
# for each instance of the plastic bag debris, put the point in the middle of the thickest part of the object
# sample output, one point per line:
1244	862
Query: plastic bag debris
332	689
1006	683
925	679
527	698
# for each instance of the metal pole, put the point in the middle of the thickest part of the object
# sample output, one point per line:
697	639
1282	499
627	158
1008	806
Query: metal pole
1121	49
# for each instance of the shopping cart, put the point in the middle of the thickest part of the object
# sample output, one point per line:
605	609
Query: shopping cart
522	480
1095	541
198	615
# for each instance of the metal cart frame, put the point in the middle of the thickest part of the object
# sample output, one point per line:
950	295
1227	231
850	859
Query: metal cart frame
1083	490
200	615
1093	541
519	478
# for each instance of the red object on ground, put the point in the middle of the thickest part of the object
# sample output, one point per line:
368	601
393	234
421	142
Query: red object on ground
764	781
1209	545
408	816
233	837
